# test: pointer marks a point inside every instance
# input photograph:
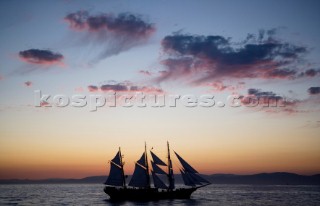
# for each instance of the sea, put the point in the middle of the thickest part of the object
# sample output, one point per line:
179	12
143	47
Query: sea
220	195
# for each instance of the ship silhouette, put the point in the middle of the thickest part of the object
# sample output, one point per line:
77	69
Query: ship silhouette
139	187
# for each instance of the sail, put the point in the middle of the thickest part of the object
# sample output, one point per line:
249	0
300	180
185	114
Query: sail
115	177
142	160
157	160
139	177
193	178
185	165
157	169
158	182
186	179
116	159
198	178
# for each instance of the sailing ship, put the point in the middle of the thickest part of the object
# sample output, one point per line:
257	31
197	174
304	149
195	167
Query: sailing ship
139	187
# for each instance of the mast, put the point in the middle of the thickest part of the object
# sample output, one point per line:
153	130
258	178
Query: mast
170	171
146	163
122	170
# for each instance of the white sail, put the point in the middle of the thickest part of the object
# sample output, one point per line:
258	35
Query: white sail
157	182
185	165
115	177
139	177
157	169
157	160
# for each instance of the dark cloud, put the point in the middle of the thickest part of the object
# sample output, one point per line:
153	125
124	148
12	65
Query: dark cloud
281	73
77	20
310	73
28	84
263	97
208	57
93	88
124	24
314	90
116	33
41	57
126	87
146	89
270	102
115	87
144	72
176	68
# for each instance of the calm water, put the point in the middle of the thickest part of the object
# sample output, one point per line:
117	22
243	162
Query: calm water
92	194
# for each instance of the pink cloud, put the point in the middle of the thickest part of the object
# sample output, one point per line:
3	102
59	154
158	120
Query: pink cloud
44	104
79	89
93	88
199	59
114	33
219	86
41	57
124	24
271	103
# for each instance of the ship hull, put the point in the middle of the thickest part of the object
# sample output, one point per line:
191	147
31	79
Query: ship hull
147	194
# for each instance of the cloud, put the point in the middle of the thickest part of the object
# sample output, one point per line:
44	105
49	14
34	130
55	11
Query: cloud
44	104
146	89
272	103
281	74
145	72
125	86
202	58
28	84
219	86
314	90
115	33
129	87
115	87
41	57
310	72
124	24
93	88
1	77
79	89
255	96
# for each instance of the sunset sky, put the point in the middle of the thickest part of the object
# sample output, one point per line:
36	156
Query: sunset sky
253	49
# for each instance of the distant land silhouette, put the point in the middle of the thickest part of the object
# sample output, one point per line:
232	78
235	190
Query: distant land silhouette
277	178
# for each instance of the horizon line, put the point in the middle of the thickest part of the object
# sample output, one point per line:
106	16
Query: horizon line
72	178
